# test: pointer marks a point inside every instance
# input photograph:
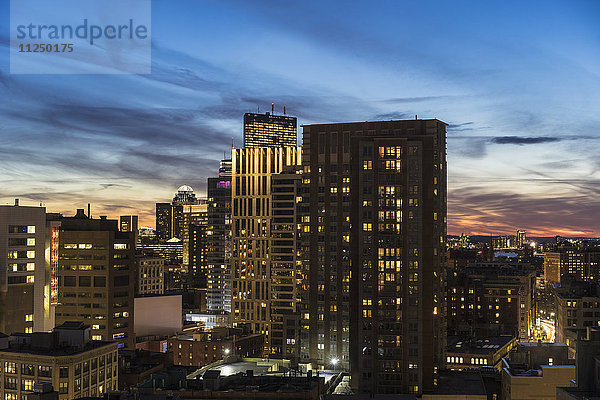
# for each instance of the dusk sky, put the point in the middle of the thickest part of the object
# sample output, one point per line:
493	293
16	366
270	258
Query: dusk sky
517	82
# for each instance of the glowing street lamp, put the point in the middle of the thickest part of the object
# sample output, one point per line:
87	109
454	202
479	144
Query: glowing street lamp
334	362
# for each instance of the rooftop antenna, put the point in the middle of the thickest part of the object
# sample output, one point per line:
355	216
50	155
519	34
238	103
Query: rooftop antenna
89	211
416	117
258	109
283	110
272	108
232	143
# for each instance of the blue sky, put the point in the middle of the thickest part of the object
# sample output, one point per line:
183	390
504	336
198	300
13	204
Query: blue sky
518	82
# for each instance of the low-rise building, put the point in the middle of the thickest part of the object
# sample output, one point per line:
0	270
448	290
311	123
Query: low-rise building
535	370
205	347
464	354
136	366
255	379
66	358
455	385
587	382
211	319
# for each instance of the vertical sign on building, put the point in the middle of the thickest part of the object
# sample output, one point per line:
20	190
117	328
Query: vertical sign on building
54	267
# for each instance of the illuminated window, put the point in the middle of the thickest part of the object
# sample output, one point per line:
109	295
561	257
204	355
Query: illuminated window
31	229
10	367
27	385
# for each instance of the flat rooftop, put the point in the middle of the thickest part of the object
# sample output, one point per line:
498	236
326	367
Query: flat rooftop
541	344
263	368
56	351
460	383
488	345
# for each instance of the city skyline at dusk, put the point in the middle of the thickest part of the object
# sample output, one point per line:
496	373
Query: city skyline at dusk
517	83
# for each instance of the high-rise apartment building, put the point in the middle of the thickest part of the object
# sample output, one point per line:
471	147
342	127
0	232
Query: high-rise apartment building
96	277
505	242
254	294
268	130
218	296
373	248
521	238
28	262
286	275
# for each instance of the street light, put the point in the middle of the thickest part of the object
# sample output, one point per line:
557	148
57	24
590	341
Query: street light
334	362
226	351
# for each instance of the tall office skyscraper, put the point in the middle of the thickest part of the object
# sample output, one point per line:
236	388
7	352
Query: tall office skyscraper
254	294
96	276
218	296
164	221
28	267
193	229
374	253
169	216
267	130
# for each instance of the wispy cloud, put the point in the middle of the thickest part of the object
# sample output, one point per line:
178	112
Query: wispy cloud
524	140
478	210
